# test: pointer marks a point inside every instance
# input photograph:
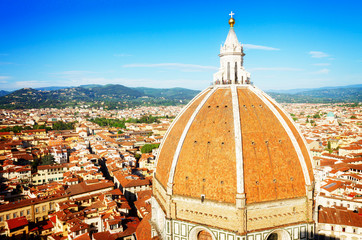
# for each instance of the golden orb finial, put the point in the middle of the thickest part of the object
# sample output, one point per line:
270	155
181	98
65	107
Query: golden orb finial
231	20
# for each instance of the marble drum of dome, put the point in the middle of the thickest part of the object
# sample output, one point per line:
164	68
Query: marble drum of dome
233	165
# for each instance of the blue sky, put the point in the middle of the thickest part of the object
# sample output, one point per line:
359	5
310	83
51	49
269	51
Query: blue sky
288	44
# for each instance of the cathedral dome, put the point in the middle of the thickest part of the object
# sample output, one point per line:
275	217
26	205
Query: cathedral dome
232	163
234	139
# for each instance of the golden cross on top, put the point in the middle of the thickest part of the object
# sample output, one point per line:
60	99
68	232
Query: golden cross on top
232	14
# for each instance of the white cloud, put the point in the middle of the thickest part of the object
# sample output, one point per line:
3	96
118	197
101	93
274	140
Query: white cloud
321	64
275	69
259	47
101	80
129	82
32	84
73	72
3	79
322	71
181	66
318	54
122	55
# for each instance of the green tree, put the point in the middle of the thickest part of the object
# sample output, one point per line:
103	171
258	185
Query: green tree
119	123
147	148
329	147
47	160
60	125
137	156
34	165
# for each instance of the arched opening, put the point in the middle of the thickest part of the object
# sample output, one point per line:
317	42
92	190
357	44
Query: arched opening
203	235
273	236
279	234
236	72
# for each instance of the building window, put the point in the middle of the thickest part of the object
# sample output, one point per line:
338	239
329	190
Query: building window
43	208
21	213
28	212
37	210
14	215
343	229
332	228
1	218
7	216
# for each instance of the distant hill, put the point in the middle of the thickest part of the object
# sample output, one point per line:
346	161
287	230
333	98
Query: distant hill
114	91
114	96
3	93
91	86
299	90
352	93
51	88
168	93
109	96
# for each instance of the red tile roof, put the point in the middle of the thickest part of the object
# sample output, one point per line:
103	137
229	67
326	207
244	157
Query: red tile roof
17	222
104	236
340	217
83	187
129	181
29	202
143	230
84	236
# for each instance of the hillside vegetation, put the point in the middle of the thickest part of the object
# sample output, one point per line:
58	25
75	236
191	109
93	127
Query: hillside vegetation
115	96
107	96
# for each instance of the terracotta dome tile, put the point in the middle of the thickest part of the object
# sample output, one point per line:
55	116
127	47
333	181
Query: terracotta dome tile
206	164
169	146
299	139
272	164
213	153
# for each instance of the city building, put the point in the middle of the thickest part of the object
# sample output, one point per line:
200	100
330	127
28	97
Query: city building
48	173
339	223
